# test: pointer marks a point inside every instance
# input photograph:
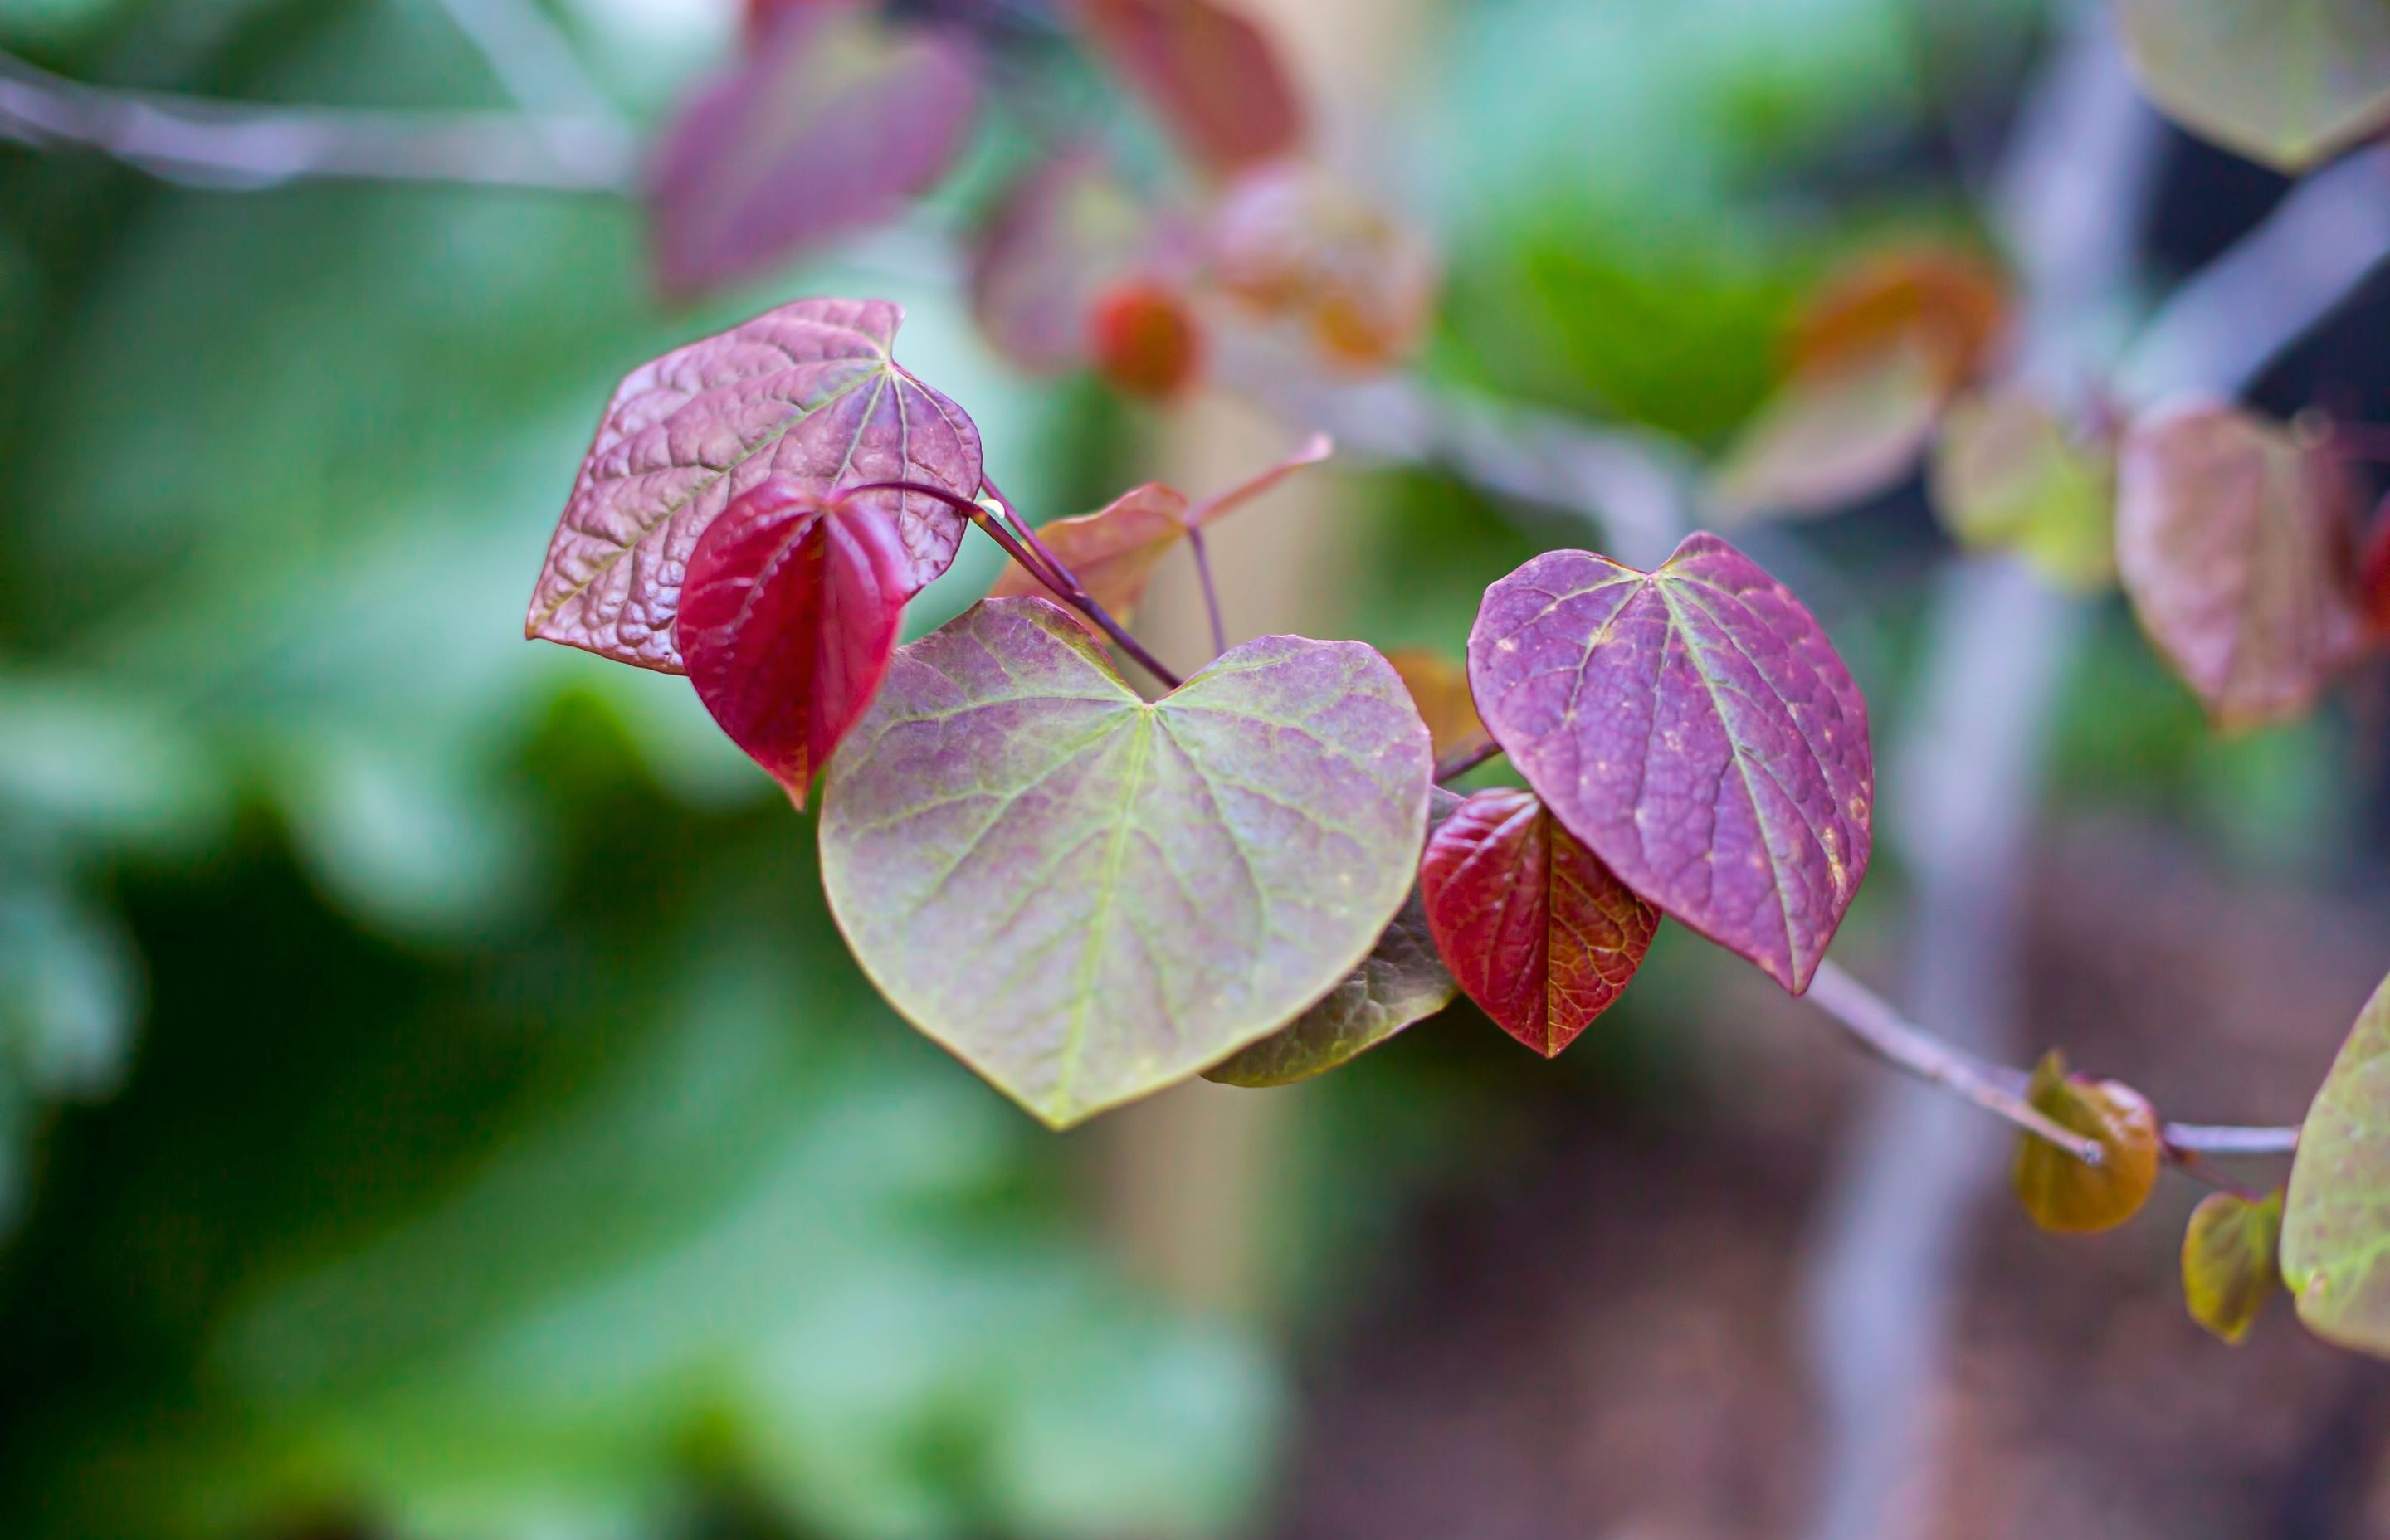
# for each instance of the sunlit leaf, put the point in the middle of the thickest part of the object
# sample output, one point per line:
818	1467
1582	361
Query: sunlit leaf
2063	1193
2228	1268
1087	896
2282	81
831	123
2007	475
1402	981
2233	541
1440	688
1206	69
1291	241
1531	923
809	393
2335	1236
789	617
1060	236
1835	436
1696	730
1146	339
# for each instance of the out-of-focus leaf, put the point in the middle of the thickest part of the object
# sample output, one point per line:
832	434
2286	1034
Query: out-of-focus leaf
1146	339
2228	1268
1758	832
2373	572
1402	981
1440	688
2064	1194
1087	896
1208	71
2232	540
1291	241
1065	233
1531	924
84	761
809	393
2286	82
835	120
2336	1240
789	614
70	992
1942	300
2007	475
1834	436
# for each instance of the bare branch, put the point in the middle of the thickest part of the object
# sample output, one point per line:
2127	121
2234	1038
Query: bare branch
235	144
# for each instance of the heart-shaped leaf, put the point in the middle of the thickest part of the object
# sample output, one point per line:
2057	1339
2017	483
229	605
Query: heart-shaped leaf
1087	896
2335	1230
1115	550
2232	539
834	121
1207	70
1440	688
2285	83
789	616
2070	1196
1696	730
1400	981
1065	233
1531	923
2228	1266
809	393
2008	476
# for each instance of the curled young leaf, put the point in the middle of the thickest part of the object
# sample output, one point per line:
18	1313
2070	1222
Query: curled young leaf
789	616
1291	241
2335	1234
1063	234
1440	688
1534	926
833	120
2286	82
1207	70
1087	896
1400	981
2071	1196
2228	1268
809	393
2232	540
2007	475
1146	339
1696	730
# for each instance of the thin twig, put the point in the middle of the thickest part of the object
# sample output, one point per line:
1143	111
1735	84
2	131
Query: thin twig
1074	592
1468	757
244	145
1211	592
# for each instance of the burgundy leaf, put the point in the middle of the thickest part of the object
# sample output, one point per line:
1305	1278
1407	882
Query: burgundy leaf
834	119
1694	727
1534	926
789	617
2373	572
1208	72
1062	236
808	393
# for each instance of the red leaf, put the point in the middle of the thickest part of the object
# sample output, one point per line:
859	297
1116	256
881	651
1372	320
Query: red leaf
1534	926
1146	339
2373	572
810	393
833	121
789	617
1695	729
1209	73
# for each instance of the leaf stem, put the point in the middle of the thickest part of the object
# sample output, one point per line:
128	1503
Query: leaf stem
1210	594
1468	757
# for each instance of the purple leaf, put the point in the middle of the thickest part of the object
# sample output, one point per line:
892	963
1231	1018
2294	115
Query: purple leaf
1087	896
1208	72
829	127
1695	729
1064	234
808	393
789	617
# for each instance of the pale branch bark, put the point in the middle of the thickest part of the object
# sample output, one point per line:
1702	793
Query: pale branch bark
247	144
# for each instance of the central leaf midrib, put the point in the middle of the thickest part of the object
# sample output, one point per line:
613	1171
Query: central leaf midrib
1107	889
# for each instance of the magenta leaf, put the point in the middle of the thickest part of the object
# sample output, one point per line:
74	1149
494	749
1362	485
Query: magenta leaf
808	393
1087	896
1534	926
789	616
1208	72
832	121
1694	727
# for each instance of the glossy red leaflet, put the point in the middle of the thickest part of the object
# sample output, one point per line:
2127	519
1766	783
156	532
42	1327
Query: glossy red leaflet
1534	926
790	614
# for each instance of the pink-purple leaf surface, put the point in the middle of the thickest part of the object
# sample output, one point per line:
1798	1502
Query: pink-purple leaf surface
789	617
1207	70
1696	730
1087	896
834	119
1065	233
809	393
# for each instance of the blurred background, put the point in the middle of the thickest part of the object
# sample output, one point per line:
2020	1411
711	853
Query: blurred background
434	1101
